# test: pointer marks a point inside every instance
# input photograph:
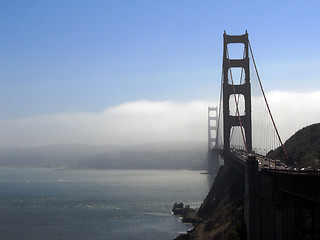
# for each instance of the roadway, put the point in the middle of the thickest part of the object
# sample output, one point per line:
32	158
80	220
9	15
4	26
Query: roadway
273	165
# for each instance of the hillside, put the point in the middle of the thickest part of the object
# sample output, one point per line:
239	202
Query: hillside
221	212
306	140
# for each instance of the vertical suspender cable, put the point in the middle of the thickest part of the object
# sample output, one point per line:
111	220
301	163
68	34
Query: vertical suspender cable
265	99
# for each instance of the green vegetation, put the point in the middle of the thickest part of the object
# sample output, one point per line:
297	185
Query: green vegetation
306	143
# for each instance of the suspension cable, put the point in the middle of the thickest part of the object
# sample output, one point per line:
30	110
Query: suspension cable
265	99
237	108
218	123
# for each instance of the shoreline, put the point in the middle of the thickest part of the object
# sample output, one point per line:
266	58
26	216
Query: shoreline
220	216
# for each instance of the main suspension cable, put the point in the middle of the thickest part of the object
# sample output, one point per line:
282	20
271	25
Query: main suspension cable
218	134
265	99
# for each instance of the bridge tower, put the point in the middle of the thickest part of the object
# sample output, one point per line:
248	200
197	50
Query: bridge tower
244	89
213	158
212	126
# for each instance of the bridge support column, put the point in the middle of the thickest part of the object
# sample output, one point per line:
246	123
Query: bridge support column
229	89
212	156
278	214
252	201
212	126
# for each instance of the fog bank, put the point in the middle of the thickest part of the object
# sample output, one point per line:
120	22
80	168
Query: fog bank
146	121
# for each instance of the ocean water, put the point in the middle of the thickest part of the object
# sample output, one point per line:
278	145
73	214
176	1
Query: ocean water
95	204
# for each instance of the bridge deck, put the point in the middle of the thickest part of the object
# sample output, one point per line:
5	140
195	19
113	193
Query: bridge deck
239	158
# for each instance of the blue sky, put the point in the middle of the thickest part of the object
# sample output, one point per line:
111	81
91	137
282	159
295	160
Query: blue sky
59	56
87	56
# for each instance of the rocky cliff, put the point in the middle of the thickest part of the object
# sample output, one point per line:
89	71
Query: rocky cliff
221	213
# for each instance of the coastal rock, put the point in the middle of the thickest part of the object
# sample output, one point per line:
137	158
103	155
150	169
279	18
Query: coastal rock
177	208
186	236
221	214
189	215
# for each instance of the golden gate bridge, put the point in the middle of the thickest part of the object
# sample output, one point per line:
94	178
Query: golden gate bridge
280	202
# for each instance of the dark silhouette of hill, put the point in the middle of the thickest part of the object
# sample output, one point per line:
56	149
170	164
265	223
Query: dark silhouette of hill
305	142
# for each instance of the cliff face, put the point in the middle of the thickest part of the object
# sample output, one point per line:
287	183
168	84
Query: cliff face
221	212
